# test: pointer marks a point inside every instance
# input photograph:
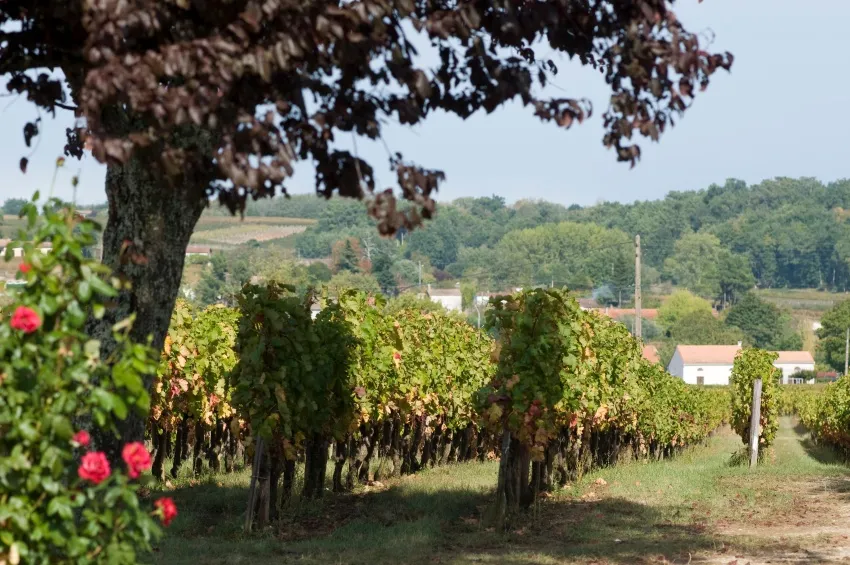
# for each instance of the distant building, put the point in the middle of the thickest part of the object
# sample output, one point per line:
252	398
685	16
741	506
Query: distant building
826	376
650	353
790	362
198	250
618	313
448	298
19	251
712	364
315	308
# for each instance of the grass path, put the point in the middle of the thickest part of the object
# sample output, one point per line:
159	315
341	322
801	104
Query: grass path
697	508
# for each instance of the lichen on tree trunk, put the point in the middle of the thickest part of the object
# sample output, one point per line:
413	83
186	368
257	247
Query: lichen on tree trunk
149	225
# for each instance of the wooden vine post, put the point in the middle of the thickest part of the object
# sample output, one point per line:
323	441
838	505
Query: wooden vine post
755	420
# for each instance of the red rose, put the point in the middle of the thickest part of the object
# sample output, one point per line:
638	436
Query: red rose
137	459
94	467
82	438
25	268
167	510
26	320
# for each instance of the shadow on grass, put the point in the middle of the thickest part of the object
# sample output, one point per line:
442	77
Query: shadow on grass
821	453
799	428
613	530
431	525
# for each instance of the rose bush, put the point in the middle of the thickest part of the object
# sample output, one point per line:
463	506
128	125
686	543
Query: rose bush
60	502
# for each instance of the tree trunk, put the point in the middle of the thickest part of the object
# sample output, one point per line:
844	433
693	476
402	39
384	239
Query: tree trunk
200	438
160	438
180	446
149	225
340	455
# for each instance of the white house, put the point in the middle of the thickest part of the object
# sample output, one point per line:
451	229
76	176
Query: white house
712	364
449	298
45	248
790	362
198	250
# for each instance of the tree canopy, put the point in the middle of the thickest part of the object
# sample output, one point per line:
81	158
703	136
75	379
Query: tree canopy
832	335
766	326
13	206
679	305
188	100
186	80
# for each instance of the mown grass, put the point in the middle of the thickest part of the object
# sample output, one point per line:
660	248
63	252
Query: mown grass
697	503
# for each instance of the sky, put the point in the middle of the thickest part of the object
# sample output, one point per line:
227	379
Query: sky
780	112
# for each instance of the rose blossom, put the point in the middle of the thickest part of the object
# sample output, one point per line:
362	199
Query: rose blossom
168	509
25	268
137	459
82	438
94	467
25	319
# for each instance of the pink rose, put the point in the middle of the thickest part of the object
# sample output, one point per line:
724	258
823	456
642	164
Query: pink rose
25	319
94	467
137	459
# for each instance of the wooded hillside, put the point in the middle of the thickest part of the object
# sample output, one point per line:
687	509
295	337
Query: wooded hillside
716	242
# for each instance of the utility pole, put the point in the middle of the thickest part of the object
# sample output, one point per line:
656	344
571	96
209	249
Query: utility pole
420	276
638	324
847	351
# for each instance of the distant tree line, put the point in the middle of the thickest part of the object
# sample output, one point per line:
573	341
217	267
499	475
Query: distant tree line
719	242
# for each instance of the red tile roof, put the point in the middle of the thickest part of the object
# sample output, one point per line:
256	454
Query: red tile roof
650	353
803	357
615	313
708	354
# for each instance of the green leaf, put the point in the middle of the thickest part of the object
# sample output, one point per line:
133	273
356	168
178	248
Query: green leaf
60	506
84	291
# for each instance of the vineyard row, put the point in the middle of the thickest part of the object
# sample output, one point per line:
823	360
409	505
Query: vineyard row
556	392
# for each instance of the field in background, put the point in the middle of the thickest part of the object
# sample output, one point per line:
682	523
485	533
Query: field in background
803	299
807	306
228	231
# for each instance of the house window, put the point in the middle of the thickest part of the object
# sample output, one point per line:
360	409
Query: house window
700	377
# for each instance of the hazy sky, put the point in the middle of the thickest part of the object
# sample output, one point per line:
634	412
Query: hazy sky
780	112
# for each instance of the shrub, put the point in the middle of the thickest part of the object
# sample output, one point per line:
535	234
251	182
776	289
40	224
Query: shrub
61	502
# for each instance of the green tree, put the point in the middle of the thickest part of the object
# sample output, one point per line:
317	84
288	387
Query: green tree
832	335
467	293
318	272
766	326
13	206
348	259
406	273
698	328
345	280
210	289
735	277
382	271
678	305
695	264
